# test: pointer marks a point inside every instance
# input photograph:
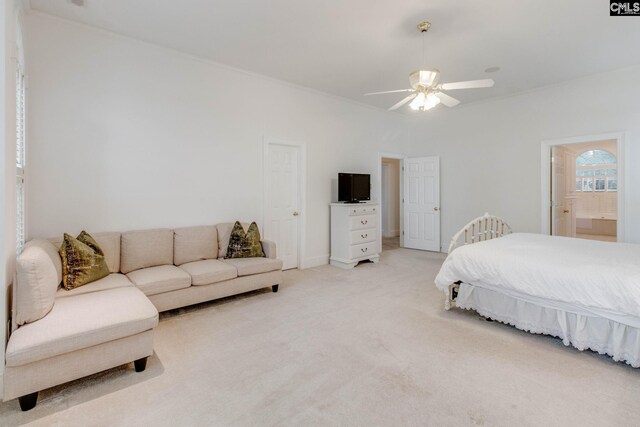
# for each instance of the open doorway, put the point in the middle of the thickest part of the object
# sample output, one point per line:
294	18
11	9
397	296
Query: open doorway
390	203
584	190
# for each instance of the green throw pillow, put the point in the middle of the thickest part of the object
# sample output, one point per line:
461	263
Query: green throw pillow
82	261
244	245
86	238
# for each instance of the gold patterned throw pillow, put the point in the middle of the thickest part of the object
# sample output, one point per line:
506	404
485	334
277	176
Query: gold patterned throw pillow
245	245
82	261
86	238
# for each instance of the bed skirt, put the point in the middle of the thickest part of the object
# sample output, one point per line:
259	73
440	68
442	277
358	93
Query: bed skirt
605	336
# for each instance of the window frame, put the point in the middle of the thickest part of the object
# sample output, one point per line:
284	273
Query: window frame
21	138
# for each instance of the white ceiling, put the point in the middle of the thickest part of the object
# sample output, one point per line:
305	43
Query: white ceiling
351	47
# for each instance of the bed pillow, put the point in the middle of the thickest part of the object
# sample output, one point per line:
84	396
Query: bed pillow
82	261
245	245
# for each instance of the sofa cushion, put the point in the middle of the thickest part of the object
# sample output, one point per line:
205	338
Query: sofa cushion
80	322
224	233
249	266
269	248
110	245
82	261
163	278
244	244
38	273
112	281
195	244
209	271
145	248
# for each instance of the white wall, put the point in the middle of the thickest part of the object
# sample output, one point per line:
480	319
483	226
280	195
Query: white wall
127	135
490	151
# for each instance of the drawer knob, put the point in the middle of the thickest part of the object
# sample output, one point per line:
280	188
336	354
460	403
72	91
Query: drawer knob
363	221
364	249
364	236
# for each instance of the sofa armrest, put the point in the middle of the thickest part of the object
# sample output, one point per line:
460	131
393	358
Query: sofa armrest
269	248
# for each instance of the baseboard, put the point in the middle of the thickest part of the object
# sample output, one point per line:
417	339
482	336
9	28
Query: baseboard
315	261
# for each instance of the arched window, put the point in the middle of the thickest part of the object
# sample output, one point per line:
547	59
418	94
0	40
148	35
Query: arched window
595	158
596	170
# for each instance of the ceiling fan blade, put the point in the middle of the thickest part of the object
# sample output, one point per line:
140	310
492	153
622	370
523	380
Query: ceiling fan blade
388	91
471	84
404	101
447	100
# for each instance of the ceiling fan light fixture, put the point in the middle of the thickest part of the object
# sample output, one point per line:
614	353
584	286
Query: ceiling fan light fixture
418	101
431	101
426	92
424	102
424	78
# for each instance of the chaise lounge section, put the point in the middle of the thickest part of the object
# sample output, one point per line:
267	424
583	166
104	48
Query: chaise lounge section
59	335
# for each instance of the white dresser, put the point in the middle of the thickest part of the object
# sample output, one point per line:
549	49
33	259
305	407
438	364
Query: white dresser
354	234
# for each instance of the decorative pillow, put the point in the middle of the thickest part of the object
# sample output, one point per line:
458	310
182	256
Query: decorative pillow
86	238
224	233
244	245
82	261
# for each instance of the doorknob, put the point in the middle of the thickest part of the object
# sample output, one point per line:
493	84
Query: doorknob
436	208
566	211
295	213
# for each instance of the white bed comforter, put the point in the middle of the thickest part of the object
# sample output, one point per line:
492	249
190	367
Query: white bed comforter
602	278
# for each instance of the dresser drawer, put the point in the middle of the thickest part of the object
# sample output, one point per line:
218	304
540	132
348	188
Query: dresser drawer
362	210
362	221
363	250
362	236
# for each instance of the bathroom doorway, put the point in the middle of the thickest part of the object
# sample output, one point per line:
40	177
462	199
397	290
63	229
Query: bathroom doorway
584	190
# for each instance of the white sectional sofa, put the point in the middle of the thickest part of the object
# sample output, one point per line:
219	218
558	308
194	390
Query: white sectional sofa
110	322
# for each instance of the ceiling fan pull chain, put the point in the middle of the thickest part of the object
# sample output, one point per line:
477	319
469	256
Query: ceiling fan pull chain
424	56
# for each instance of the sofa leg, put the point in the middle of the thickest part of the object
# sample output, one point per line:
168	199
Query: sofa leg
274	288
28	401
141	364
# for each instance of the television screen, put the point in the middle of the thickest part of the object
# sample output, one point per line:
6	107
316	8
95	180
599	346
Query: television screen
354	187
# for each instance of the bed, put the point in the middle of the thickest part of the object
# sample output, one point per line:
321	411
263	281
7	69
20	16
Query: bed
585	292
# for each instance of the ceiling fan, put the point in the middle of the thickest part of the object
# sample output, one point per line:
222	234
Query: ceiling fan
426	91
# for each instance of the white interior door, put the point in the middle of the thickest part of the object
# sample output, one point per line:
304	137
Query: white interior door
421	202
559	211
282	201
570	193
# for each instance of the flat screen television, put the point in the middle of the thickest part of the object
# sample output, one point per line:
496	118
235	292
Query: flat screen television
354	187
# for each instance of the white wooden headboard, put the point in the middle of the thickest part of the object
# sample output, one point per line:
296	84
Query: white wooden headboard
484	227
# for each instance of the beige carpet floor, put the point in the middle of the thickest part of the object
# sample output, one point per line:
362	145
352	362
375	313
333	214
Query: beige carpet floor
370	346
390	243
